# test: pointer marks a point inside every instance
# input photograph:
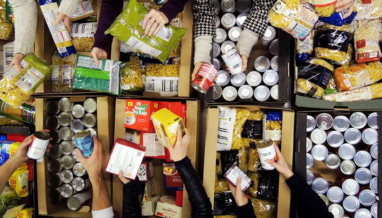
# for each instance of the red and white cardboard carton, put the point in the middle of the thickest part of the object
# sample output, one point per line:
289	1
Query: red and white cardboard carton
146	170
154	148
166	207
149	190
148	207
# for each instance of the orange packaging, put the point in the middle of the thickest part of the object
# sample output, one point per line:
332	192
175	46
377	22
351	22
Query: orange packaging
138	113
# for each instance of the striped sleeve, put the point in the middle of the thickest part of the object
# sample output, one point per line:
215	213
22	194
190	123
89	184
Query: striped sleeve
204	18
257	21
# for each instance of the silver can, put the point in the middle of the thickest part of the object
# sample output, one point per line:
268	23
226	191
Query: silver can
347	167
274	47
216	63
350	187
341	123
324	121
353	136
76	125
324	199
226	46
363	176
269	35
362	159
243	6
217	91
367	198
346	151
351	204
54	166
79	170
238	80
75	202
92	131
254	78
309	161
54	196
233	61
309	177
335	139
311	123
229	93
67	147
228	21
309	144
74	156
335	195
223	78
89	120
333	161
228	6
374	151
65	133
275	92
358	120
65	105
245	92
318	136
51	107
319	152
362	213
90	105
270	77
78	111
67	191
67	162
217	21
275	63
221	35
374	185
374	210
374	168
337	210
51	122
370	136
240	19
215	49
217	6
320	186
54	152
262	64
372	120
262	93
234	33
80	184
66	176
65	118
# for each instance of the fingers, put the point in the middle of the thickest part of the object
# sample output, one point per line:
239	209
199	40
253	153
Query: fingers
186	133
197	67
178	135
26	141
18	66
245	62
232	189
148	17
238	185
79	155
97	145
11	65
349	12
94	54
276	165
161	24
149	25
102	54
194	74
46	130
60	18
122	178
170	147
67	24
342	5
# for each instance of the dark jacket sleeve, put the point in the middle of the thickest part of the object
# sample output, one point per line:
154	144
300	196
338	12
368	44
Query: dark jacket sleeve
245	211
110	9
201	205
172	8
257	21
131	202
312	203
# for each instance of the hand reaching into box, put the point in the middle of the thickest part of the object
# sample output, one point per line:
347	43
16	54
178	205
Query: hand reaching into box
179	150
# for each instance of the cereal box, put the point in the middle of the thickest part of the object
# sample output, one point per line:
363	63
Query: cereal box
166	207
138	113
146	171
172	180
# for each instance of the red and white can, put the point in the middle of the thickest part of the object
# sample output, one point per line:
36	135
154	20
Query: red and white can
38	147
205	77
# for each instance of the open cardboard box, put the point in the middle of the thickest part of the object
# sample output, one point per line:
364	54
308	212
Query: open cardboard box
320	167
105	121
283	205
193	114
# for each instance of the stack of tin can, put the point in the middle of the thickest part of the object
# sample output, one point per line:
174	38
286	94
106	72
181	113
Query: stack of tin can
261	84
349	145
67	178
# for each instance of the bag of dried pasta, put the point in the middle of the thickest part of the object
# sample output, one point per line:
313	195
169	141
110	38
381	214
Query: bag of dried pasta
366	42
332	87
314	77
62	73
253	159
305	48
6	27
224	203
338	19
264	208
84	9
219	170
325	8
264	185
361	94
242	157
371	9
253	128
295	18
83	36
221	185
16	87
273	126
228	159
162	79
131	74
349	56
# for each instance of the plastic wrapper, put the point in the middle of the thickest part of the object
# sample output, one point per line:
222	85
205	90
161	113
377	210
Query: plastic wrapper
162	2
349	56
314	77
274	126
305	48
331	88
11	203
358	76
83	36
371	9
253	159
131	81
325	8
253	128
218	164
25	113
19	182
62	73
6	27
25	213
264	208
242	159
8	121
337	17
160	70
84	9
221	185
102	78
361	94
128	29
176	52
366	42
224	203
228	158
264	185
164	86
293	17
17	87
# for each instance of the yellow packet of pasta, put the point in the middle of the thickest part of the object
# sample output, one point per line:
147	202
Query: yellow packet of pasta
14	147
19	182
25	213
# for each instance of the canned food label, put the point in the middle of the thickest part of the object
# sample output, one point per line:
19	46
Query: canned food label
205	76
234	173
227	119
233	60
265	154
86	145
37	148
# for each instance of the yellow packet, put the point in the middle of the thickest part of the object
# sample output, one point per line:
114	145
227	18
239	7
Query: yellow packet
19	182
25	213
14	147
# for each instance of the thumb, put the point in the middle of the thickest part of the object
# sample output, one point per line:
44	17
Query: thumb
79	155
60	18
67	24
95	58
26	142
18	66
238	185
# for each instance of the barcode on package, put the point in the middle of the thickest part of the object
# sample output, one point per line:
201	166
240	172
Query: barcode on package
66	74
114	76
162	84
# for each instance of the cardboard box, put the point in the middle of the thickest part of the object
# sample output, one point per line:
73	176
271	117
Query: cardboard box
148	207
146	171
149	190
172	180
105	104
154	148
138	114
179	198
166	207
283	206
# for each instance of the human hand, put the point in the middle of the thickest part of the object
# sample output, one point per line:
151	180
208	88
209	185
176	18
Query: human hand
245	62
98	53
240	197
122	178
197	67
66	19
179	150
153	22
22	150
93	164
16	61
281	164
343	5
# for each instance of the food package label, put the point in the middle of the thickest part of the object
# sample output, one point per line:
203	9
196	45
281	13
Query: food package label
225	130
80	30
154	147
83	8
55	75
25	213
168	85
148	207
14	147
136	44
19	182
5	152
361	94
234	173
146	171
323	3
166	207
164	33
172	180
274	135
138	114
24	113
149	190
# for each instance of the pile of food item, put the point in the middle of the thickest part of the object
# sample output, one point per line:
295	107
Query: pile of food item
6	23
348	147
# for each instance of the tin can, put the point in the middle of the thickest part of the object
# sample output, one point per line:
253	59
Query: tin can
238	80
341	123
362	159
335	195
245	92
79	170
228	6
262	64
374	151
269	35
75	202
266	151
65	105
347	167
372	120
65	118
215	49
221	35
309	144
54	166
234	33
54	196
374	210
223	78
74	156
337	210
233	60
324	121
275	92
243	6
217	21
275	63
358	120
333	161
262	93
374	168
274	47
318	136
350	187
240	19
363	176
367	198
309	161
362	213
67	147
90	105
228	21
353	136
270	77
205	78
76	125
374	185
351	204
254	78
311	123
217	91
92	131
66	191
229	93
217	6
67	162
66	176
39	144
54	152
319	152
51	107
226	46
89	120
65	133
370	136
78	111
320	186
309	177
51	122
335	139
216	63
346	151
325	199
54	135
84	141
80	184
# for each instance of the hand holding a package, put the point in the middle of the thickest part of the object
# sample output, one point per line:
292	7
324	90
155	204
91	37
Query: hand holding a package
16	62
153	22
240	197
345	5
64	18
123	179
97	54
179	150
281	165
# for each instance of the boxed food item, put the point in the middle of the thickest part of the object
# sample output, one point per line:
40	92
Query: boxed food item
138	114
146	171
234	173
5	151
85	8
19	182
172	180
149	190
25	113
148	207
166	207
179	198
154	148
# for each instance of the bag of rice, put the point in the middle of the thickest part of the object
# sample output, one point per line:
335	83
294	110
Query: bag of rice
62	73
305	48
368	9
83	35
85	8
128	29
366	42
361	94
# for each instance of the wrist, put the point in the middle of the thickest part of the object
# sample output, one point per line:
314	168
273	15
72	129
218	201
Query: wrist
96	178
242	202
288	174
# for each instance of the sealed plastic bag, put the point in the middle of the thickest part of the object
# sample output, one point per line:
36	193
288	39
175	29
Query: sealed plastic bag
102	78
11	203
253	159
337	17
221	185
25	113
62	73
242	157
305	48
128	29
366	42
273	127
264	185
368	9
264	208
131	82
16	87
83	36
19	182
253	128
331	88
8	121
325	8
228	159
6	27
84	9
218	164
349	56
160	70
361	94
224	203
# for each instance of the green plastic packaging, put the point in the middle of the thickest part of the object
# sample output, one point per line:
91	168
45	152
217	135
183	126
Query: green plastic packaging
128	29
11	203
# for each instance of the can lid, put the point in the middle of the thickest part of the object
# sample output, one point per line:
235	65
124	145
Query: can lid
42	135
54	136
275	63
229	93
78	183
346	151
318	136
333	161
67	147
89	120
274	47
374	185
309	144
66	190
228	20
367	198
241	18
65	133
65	118
309	177
54	166
309	161
335	195
362	159
350	187
341	123
221	34
362	213
324	121
275	92
235	33
319	152
217	91
311	123
51	122
217	21
270	77
374	210
238	79
215	49
65	104
320	186
228	5
67	162
254	78
223	78
325	199
269	33
54	152
54	180
335	139
370	136
216	63
90	105
374	168
262	93
78	111
358	120
347	167
353	136
351	204
78	169
363	176
243	5
262	64
73	203
51	107
374	151
337	210
246	91
372	120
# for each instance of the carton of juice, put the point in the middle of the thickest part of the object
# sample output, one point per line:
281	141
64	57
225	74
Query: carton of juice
138	113
166	124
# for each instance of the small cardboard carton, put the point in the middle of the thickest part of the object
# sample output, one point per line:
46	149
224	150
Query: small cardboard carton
148	207
172	180
138	113
154	148
166	207
179	198
146	171
149	190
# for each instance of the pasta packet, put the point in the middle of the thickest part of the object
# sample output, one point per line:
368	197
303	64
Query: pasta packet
314	77
62	73
6	27
253	128
349	56
128	29
131	82
11	203
26	213
219	170
332	86
84	9
242	157
325	8
17	87
305	48
366	42
102	78
273	127
337	17
253	159
8	121
224	203
264	185
369	10
83	36
361	94
221	185
295	18
19	182
228	159
264	208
